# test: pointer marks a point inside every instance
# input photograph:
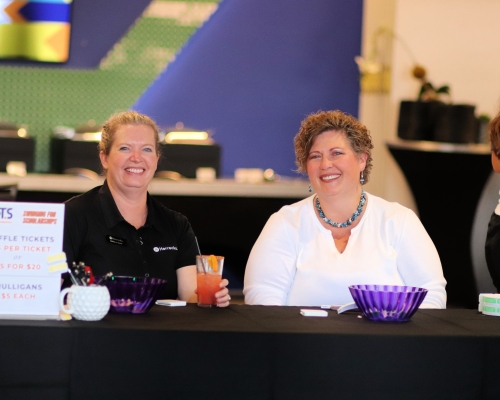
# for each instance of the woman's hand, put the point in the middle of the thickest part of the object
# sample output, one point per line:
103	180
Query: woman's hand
222	296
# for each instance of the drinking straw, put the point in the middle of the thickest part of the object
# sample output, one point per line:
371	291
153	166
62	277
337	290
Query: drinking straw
73	278
199	252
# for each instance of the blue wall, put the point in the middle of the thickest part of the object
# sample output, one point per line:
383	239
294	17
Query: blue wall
255	70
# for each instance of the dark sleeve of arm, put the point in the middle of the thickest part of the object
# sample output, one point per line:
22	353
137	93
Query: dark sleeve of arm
492	249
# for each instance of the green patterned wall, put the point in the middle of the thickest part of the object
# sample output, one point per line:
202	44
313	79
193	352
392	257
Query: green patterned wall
43	98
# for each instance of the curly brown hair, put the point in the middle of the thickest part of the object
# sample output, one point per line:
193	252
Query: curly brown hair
125	118
494	133
315	124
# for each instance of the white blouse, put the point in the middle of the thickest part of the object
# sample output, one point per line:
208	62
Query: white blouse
295	261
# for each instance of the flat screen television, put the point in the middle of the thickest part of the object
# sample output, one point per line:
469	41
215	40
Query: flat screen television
35	30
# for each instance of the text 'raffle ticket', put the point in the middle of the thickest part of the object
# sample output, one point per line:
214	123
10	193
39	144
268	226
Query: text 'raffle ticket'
31	258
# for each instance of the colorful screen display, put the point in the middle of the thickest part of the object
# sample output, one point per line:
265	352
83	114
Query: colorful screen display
37	30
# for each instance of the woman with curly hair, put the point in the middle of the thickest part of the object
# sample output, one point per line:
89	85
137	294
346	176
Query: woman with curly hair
311	251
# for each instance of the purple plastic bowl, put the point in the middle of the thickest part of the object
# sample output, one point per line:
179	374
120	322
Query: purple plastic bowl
388	303
133	295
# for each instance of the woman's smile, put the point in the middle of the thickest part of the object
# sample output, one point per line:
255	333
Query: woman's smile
135	170
328	178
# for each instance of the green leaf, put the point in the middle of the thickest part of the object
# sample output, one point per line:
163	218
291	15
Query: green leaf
443	89
428	85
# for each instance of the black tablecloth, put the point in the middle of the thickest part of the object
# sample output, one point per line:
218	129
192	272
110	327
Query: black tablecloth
252	352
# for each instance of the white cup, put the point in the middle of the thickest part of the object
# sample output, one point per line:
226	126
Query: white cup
205	174
86	303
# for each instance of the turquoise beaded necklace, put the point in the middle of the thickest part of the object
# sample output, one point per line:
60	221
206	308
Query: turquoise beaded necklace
344	224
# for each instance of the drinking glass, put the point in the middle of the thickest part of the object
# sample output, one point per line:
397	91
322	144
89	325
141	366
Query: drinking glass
208	277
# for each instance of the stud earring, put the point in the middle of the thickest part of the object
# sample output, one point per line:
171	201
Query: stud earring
362	178
310	189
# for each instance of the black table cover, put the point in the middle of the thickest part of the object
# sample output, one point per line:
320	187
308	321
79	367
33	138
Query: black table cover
252	352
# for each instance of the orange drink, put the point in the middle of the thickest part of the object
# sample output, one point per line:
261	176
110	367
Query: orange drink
208	285
209	275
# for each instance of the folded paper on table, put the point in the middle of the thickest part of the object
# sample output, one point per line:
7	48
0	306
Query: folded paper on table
313	313
345	307
171	303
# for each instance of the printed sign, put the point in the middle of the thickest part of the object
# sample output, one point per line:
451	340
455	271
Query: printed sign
31	238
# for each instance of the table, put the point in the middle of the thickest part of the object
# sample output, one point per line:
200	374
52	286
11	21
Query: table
447	181
252	352
226	216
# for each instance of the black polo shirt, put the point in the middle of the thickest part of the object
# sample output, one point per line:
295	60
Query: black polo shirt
96	233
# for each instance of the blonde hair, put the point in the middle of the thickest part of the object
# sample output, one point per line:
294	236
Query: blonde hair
125	118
